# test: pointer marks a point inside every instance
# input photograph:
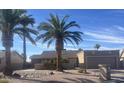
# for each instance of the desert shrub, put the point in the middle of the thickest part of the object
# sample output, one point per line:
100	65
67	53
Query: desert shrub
28	65
53	61
80	71
64	61
50	65
8	71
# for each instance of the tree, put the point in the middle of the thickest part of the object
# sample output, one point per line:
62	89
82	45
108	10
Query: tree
97	46
25	31
80	49
9	20
58	30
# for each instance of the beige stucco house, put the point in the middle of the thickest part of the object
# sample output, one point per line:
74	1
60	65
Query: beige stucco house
16	60
48	56
92	58
122	58
122	55
76	58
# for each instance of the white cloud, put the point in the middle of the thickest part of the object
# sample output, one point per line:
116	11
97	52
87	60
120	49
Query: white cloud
71	48
119	27
108	48
104	38
44	46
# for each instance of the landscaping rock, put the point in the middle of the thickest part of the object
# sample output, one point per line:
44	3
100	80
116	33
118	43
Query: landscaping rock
104	73
15	75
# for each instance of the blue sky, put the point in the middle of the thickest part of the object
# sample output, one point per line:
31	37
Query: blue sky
105	27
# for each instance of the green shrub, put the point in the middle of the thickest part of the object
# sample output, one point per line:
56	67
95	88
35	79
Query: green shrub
64	61
50	65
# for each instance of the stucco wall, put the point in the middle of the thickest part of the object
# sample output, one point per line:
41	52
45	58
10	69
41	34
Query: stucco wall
71	64
81	57
16	61
93	58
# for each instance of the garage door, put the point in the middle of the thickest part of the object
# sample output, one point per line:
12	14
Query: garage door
92	62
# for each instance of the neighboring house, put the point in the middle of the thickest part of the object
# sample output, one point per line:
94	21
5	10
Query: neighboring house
122	55
76	58
122	58
93	58
48	56
16	60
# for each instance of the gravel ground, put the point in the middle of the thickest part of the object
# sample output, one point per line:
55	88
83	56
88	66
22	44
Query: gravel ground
68	76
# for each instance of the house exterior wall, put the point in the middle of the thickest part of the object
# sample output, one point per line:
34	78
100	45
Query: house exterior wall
34	61
72	63
94	58
16	61
80	56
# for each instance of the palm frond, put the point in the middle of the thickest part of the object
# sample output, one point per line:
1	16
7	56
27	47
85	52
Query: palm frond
63	22
32	31
30	38
57	29
45	26
49	42
71	24
26	20
39	37
69	40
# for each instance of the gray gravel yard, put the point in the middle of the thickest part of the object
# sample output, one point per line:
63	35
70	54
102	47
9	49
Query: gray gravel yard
68	76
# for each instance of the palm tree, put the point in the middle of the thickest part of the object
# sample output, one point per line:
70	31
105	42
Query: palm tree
58	30
9	20
97	46
25	31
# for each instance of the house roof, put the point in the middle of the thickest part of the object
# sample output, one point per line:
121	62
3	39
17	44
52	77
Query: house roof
105	51
102	52
52	54
72	53
35	56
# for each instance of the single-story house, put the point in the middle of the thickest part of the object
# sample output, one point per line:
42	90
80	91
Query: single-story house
122	55
92	58
122	58
16	60
48	56
75	58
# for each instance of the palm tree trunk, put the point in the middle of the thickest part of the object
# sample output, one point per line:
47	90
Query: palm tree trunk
7	41
59	64
24	50
8	69
59	55
8	56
